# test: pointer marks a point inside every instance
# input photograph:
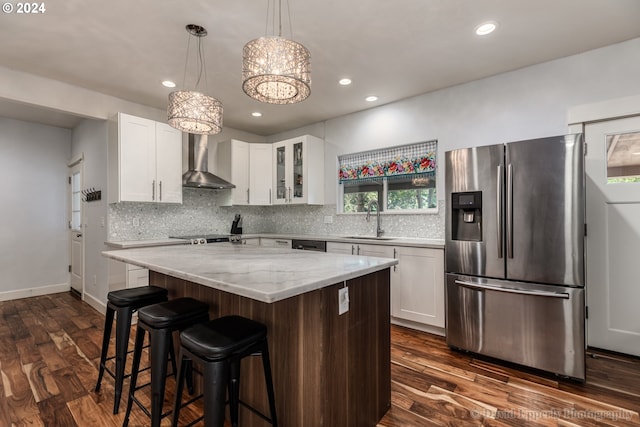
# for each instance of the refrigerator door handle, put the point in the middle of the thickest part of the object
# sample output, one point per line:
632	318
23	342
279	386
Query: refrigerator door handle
509	211
499	209
479	286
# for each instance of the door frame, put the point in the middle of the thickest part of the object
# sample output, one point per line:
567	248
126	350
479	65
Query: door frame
77	160
579	116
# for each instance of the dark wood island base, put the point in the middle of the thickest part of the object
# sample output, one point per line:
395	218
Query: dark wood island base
329	370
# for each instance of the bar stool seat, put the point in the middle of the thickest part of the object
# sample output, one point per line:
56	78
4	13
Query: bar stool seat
160	320
124	302
219	345
220	338
136	296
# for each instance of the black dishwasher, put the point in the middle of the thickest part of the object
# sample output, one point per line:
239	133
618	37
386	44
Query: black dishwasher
309	245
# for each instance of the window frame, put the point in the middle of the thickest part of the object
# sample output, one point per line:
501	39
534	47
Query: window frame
373	156
384	207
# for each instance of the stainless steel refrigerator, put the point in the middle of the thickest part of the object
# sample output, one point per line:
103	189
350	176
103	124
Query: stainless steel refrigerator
515	230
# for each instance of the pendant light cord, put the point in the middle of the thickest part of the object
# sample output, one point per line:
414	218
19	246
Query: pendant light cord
279	17
200	64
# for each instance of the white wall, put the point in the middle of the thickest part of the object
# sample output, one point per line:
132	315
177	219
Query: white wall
527	103
90	138
34	251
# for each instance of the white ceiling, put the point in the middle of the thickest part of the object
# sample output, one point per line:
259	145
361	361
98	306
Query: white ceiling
393	49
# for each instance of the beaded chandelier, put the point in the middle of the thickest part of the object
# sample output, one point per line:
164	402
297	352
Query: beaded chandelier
193	111
276	70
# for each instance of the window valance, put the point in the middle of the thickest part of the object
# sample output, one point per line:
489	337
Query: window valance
412	159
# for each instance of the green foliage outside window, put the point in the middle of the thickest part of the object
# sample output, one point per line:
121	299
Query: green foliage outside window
358	202
624	179
412	199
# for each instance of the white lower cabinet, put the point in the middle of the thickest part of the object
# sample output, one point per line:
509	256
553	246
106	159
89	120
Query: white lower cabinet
275	243
417	282
122	275
417	285
341	248
251	241
137	276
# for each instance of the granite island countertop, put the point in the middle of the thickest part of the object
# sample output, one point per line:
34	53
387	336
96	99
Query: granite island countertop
260	273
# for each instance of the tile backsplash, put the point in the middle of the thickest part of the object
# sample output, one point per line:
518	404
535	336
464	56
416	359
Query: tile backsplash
201	213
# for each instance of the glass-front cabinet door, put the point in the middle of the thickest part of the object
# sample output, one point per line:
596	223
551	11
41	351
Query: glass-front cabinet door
280	175
298	171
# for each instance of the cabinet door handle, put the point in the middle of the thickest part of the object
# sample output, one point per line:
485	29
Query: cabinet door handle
289	194
269	196
358	249
247	196
353	249
395	253
153	190
160	186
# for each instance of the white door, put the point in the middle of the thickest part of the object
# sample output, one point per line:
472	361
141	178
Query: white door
76	240
613	234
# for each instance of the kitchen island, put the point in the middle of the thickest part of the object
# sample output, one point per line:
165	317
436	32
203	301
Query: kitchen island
329	369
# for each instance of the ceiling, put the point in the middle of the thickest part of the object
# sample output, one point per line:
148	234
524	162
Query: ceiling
392	49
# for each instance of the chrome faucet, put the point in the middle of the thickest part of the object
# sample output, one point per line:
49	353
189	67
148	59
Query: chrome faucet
379	231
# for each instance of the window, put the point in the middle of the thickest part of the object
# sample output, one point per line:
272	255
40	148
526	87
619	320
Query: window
402	178
623	157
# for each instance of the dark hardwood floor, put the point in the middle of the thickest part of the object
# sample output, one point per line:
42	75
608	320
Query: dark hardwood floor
50	348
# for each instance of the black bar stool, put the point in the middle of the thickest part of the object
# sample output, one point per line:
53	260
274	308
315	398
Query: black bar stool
160	320
219	345
124	302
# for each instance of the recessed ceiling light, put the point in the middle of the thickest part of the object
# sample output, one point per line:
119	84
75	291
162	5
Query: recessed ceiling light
371	98
256	114
486	28
168	83
344	82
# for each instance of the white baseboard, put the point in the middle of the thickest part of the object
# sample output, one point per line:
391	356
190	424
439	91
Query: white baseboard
97	305
418	326
34	292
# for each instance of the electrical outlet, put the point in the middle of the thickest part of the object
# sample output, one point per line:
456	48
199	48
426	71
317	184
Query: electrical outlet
328	219
343	300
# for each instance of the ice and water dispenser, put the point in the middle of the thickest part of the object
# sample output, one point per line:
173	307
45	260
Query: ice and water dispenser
466	216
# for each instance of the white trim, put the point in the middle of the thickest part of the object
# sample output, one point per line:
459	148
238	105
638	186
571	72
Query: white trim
76	159
97	305
435	330
34	292
604	110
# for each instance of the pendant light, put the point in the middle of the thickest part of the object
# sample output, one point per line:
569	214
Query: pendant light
276	70
192	111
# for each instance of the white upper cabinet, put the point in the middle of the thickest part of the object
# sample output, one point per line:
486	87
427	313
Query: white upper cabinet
145	162
248	167
298	171
260	171
168	163
232	164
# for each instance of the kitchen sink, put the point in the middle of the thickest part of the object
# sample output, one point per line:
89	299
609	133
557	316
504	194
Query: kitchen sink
369	237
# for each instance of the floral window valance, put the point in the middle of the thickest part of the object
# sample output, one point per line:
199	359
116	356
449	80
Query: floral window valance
412	159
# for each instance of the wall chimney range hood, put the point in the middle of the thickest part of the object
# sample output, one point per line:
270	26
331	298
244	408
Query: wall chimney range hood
198	175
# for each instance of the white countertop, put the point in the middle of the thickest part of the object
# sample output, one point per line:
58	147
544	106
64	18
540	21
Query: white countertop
263	274
126	244
389	241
